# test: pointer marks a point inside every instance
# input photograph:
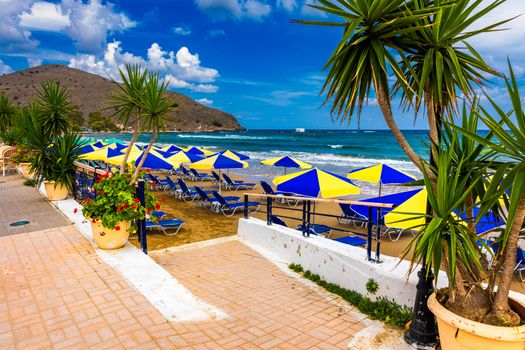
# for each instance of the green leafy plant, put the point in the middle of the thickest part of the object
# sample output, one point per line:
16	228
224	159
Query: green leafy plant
30	182
508	150
379	309
55	104
23	154
7	113
116	202
371	286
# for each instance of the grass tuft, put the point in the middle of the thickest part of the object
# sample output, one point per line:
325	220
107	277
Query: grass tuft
381	309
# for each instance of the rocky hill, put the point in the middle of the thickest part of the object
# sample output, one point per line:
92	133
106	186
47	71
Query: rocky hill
90	92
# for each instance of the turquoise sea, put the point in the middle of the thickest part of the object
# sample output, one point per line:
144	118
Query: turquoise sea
334	150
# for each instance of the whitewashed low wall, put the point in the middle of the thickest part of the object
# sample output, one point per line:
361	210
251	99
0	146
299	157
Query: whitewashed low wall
335	262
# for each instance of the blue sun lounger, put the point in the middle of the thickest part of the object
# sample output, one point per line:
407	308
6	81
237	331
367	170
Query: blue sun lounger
351	240
238	184
231	208
315	229
164	224
267	188
203	199
200	176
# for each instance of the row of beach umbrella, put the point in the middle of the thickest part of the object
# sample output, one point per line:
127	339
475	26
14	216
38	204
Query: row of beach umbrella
311	182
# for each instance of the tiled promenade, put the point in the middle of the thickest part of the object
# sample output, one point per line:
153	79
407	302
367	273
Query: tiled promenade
56	293
19	202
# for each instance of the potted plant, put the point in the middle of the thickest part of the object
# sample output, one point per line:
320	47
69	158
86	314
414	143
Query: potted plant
475	311
115	208
22	158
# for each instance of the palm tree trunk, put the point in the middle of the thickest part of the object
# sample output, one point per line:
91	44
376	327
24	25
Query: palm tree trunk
501	306
384	104
432	120
144	155
128	151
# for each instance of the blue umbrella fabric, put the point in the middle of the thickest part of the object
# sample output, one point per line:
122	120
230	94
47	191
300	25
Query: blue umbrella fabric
86	149
98	144
486	223
316	183
173	149
154	162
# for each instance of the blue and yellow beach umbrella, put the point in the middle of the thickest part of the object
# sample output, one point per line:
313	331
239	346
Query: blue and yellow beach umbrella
316	183
117	157
410	213
286	162
382	174
100	154
219	162
234	155
199	151
171	149
155	161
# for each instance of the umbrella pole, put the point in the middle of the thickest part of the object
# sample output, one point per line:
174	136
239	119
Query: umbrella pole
220	181
285	171
380	186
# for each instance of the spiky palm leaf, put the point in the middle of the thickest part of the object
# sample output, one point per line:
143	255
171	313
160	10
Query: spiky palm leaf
436	58
55	105
7	113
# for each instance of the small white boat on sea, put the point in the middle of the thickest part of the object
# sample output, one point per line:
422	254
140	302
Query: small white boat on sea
300	130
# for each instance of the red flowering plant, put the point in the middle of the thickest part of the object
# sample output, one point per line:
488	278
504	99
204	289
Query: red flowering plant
116	202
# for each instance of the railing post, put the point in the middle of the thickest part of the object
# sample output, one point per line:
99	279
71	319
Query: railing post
268	210
369	238
95	178
246	212
378	236
142	223
304	218
308	217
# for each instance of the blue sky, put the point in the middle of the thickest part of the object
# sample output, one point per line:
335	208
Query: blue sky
242	56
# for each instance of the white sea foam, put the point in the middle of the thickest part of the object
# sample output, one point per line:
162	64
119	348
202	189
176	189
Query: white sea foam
335	146
239	137
369	131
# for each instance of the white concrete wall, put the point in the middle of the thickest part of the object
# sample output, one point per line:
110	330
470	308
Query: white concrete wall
335	262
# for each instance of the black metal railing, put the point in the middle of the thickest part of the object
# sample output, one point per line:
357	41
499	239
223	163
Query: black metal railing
308	211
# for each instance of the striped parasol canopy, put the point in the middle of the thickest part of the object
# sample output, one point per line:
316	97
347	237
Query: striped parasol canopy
316	183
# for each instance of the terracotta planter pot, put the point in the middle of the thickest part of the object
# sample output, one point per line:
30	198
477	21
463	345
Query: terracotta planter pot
456	332
58	193
23	168
107	238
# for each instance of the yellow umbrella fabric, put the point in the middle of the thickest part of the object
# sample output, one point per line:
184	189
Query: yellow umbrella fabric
316	183
117	160
409	214
99	154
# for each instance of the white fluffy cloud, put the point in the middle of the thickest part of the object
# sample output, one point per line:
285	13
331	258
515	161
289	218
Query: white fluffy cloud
239	9
14	38
33	62
205	101
182	31
87	23
45	16
288	5
182	70
4	68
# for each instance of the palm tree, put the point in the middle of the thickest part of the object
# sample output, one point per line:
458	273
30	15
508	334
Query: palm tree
155	105
54	104
126	102
510	152
7	113
438	62
425	35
